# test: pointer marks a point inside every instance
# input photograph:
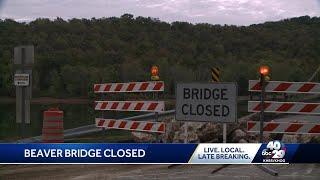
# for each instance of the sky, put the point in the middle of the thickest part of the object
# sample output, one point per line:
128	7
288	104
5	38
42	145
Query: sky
236	12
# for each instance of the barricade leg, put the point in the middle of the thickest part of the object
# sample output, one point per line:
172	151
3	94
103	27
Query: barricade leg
220	168
268	170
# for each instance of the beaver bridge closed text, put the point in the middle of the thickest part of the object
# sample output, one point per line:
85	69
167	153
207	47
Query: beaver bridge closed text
213	102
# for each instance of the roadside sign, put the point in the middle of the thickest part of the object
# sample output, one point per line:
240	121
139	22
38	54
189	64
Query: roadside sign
28	53
215	74
210	102
21	79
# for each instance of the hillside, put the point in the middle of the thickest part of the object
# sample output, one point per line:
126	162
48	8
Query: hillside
72	55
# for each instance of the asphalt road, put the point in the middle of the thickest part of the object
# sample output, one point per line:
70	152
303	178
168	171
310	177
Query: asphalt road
84	172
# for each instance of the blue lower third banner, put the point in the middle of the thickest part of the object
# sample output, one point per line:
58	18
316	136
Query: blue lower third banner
203	153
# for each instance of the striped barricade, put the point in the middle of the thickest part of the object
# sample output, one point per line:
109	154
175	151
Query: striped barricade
143	106
148	106
284	127
144	126
151	86
286	87
285	107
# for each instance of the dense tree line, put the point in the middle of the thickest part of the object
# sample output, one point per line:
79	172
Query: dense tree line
72	55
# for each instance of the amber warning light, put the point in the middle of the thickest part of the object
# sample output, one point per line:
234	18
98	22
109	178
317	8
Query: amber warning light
264	70
154	71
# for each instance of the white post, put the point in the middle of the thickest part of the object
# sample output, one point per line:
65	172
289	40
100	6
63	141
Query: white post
224	133
186	132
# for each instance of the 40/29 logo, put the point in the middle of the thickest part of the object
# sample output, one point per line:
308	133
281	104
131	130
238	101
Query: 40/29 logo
274	150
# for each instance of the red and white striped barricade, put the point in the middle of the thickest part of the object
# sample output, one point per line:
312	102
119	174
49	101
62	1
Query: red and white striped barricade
52	131
147	106
143	106
286	87
284	127
285	107
144	126
151	86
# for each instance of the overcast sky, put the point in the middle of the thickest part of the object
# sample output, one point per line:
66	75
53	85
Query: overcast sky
238	12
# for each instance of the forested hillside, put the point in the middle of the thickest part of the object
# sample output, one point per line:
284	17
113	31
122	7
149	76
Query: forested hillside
72	55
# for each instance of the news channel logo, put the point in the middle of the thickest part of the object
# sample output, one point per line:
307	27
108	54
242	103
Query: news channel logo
274	152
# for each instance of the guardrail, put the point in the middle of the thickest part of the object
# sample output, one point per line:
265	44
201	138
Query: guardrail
83	130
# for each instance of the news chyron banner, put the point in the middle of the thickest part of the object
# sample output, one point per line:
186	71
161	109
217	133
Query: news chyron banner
273	152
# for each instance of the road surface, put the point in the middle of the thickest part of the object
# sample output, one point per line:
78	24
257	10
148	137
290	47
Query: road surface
84	172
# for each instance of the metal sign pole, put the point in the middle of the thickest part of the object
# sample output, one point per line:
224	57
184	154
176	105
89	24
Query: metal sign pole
185	141
263	89
23	95
23	60
186	133
157	135
104	114
155	95
224	133
215	77
262	84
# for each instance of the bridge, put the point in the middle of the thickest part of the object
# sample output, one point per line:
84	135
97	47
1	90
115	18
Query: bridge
70	134
292	171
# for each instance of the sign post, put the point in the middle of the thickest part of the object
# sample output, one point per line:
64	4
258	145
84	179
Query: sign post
21	79
215	76
23	60
224	132
155	77
264	70
262	107
207	102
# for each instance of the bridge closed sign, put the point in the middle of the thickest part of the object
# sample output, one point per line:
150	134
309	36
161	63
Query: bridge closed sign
208	102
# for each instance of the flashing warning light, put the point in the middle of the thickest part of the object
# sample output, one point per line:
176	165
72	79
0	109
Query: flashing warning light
154	70
264	70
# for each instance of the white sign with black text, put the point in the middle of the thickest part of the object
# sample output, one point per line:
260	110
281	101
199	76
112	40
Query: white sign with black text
209	102
21	79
